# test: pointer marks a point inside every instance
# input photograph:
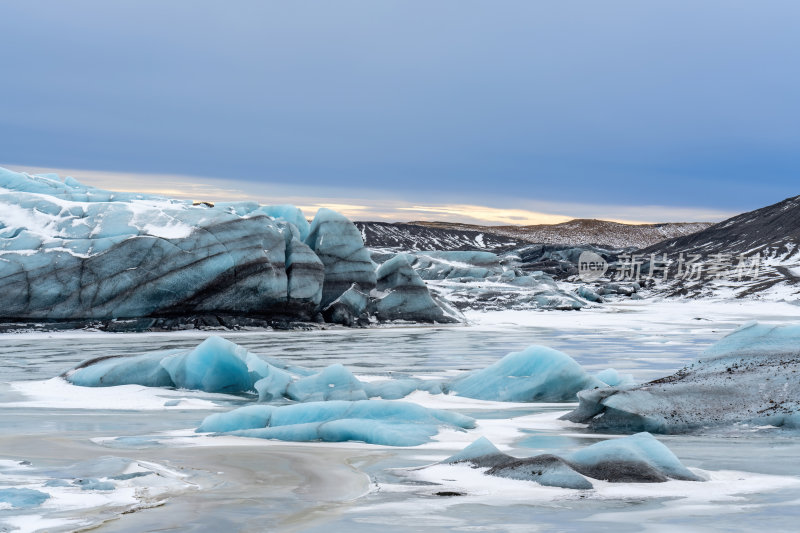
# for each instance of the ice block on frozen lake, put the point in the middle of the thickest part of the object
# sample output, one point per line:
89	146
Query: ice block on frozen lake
750	376
382	422
215	365
639	458
536	374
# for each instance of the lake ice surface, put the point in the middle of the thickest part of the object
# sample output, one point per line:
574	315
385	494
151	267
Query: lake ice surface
166	477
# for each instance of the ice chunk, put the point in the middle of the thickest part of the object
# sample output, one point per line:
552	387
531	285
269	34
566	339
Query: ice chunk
338	244
639	458
405	296
333	383
373	421
144	370
612	378
636	459
547	470
347	308
101	255
216	365
588	294
754	337
537	373
393	389
748	377
247	417
22	498
624	289
274	385
482	450
457	265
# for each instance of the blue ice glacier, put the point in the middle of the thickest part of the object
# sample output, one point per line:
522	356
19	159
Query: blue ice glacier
22	498
69	252
747	377
101	255
536	374
388	423
338	244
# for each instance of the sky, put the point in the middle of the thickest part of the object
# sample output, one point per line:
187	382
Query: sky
494	111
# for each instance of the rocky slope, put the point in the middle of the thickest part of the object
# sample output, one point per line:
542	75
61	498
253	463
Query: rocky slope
748	255
578	232
419	236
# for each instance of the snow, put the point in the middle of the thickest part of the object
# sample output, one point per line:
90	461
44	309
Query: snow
56	393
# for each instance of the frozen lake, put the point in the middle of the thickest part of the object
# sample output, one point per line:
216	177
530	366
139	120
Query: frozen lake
199	483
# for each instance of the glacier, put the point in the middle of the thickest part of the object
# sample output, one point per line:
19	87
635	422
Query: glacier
338	244
638	458
748	377
383	422
70	252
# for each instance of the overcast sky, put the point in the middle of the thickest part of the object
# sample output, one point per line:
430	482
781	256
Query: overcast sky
657	110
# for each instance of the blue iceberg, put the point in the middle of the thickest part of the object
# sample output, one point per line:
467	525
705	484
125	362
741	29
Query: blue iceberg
536	374
332	383
215	365
382	422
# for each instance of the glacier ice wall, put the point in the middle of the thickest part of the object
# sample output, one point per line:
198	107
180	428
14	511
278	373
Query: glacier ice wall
73	252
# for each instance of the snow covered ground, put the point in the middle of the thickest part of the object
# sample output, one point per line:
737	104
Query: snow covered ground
197	481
